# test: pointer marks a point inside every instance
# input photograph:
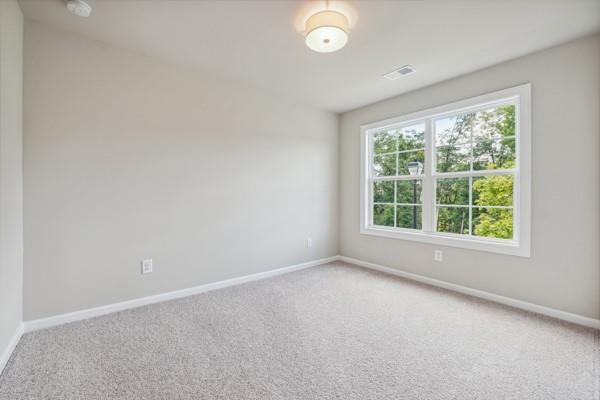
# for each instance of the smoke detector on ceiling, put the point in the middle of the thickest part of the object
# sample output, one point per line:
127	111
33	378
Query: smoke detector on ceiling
400	72
79	8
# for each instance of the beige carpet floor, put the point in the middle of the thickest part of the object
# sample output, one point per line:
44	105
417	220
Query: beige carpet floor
329	332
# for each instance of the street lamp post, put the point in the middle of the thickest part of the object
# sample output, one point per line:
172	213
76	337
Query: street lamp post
415	168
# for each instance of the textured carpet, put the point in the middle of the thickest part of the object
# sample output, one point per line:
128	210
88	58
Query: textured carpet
330	332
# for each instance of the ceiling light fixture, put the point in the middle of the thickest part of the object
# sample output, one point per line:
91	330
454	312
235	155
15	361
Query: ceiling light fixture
79	8
327	31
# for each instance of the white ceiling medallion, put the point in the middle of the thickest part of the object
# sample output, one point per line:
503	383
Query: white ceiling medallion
327	31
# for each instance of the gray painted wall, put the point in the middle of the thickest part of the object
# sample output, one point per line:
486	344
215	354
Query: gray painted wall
564	269
127	157
11	171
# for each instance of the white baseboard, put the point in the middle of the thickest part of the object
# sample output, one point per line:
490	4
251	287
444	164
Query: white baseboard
551	312
43	323
12	345
33	325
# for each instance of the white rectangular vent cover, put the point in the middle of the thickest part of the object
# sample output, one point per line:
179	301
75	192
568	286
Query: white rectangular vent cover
400	72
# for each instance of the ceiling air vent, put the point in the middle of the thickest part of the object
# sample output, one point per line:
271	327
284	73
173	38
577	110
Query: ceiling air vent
400	72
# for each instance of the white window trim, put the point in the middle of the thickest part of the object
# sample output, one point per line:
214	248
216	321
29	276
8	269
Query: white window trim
520	245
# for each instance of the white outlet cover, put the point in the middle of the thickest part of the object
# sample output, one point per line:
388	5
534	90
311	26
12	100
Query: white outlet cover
147	266
308	242
438	255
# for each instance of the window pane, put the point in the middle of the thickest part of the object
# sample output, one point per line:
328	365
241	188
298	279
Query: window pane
384	165
493	190
493	222
384	142
453	130
494	154
494	123
492	133
411	137
491	124
409	192
383	192
452	191
453	220
453	158
408	217
383	215
411	156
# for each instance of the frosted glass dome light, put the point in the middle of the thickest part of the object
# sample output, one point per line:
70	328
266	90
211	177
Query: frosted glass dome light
327	31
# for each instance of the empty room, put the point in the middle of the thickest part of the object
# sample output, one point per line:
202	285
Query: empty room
300	199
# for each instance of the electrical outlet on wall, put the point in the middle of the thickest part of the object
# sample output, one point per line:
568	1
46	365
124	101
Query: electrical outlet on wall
308	242
147	266
438	255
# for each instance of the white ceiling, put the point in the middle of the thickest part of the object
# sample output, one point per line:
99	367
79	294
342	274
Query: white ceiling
259	42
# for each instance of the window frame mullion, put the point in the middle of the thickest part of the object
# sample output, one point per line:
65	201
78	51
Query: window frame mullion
428	191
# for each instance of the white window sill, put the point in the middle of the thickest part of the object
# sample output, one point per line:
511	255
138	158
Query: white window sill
509	247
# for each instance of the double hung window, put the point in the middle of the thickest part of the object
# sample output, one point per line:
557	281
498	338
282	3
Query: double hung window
455	175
